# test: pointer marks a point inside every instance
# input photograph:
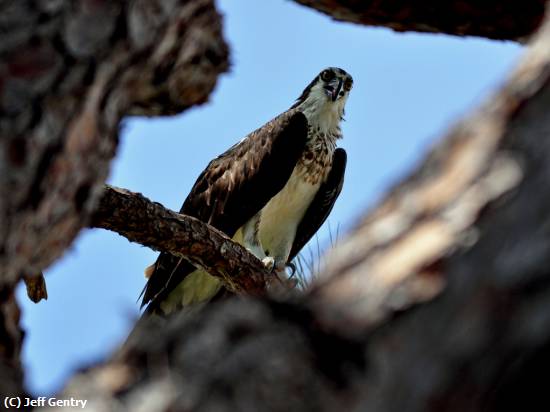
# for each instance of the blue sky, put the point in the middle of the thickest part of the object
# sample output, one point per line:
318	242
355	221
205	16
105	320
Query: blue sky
409	88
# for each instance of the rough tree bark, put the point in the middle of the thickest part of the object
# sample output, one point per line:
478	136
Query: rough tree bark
494	19
68	72
438	300
150	224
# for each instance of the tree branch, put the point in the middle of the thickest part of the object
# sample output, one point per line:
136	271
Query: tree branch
398	253
500	20
69	72
150	224
470	226
438	300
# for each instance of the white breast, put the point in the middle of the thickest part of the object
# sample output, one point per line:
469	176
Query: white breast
283	213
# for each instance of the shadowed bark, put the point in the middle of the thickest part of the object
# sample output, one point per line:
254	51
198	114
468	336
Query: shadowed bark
494	19
470	226
69	71
437	300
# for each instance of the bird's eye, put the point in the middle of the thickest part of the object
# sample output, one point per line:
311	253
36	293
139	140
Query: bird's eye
347	85
327	75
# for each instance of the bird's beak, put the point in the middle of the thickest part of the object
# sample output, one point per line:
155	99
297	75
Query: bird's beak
333	89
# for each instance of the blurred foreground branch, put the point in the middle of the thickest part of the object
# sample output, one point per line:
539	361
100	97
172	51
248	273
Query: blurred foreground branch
438	300
495	19
69	71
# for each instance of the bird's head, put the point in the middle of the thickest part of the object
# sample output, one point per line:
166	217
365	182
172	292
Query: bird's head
328	91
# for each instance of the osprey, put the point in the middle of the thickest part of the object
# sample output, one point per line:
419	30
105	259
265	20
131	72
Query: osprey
270	192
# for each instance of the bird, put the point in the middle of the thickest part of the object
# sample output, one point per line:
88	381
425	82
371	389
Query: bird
270	192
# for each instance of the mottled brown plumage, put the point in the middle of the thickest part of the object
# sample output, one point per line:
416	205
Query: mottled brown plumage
271	191
233	187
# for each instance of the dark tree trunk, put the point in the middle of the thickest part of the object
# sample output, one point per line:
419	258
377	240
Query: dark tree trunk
438	300
69	71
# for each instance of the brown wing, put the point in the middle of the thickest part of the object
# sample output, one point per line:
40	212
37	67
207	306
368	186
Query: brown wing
233	188
322	203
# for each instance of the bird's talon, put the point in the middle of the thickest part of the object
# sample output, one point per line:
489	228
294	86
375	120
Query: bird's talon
268	262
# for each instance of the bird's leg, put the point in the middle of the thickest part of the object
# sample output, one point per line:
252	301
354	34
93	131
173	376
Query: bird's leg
281	284
251	241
